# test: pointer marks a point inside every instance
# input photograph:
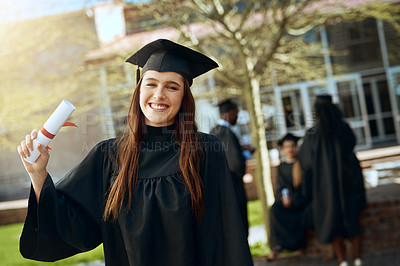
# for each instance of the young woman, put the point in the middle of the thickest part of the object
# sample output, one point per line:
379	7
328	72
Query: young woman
287	215
161	194
337	183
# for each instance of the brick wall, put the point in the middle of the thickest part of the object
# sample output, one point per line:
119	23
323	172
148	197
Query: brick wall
380	223
250	182
13	211
381	219
12	216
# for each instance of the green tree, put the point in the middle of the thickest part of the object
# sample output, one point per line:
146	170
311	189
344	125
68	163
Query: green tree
42	63
252	39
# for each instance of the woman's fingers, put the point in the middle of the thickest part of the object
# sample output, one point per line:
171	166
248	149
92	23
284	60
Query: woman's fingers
29	139
37	170
20	151
34	133
26	146
29	143
42	149
23	156
42	161
24	149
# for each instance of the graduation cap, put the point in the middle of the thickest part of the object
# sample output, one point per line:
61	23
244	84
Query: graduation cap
227	105
323	98
164	55
288	136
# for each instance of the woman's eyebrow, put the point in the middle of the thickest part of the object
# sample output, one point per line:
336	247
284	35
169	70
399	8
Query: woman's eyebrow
173	82
168	82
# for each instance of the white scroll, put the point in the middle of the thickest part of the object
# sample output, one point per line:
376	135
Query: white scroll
51	127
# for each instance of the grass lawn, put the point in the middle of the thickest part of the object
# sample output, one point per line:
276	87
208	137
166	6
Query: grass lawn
9	250
255	216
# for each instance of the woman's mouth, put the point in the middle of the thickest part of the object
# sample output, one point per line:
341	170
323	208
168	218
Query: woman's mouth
158	106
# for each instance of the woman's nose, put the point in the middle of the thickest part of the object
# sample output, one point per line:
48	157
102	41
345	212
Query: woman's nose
159	94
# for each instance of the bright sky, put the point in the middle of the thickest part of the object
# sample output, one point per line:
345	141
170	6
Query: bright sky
24	9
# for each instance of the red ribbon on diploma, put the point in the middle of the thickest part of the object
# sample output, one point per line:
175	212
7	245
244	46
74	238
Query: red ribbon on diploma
69	124
51	136
47	133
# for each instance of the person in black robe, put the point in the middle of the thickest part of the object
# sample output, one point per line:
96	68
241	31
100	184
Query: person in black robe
288	213
337	183
161	194
234	153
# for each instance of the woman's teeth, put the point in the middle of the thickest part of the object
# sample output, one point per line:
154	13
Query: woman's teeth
158	106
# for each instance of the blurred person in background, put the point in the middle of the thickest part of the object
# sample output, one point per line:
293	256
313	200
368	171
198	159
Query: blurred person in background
235	154
288	215
337	183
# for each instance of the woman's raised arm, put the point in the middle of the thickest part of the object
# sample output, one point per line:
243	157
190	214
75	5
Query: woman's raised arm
37	170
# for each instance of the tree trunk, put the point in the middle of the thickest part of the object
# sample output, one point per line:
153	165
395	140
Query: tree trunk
263	173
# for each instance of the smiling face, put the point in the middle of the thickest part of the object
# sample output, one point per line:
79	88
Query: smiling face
161	95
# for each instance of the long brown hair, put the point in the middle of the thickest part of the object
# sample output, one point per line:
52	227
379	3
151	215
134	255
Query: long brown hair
329	117
186	133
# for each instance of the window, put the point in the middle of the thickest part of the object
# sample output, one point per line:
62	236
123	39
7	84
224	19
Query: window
363	41
293	109
355	46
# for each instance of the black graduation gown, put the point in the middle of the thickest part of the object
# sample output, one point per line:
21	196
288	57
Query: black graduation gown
159	229
337	183
237	166
287	226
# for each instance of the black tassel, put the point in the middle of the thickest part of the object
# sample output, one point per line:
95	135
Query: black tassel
137	75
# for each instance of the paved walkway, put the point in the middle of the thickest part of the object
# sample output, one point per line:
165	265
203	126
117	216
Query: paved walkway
93	263
386	257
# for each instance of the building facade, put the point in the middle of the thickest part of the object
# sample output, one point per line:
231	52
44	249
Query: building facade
363	75
362	72
42	65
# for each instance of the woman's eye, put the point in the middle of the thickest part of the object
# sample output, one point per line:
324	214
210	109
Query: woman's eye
173	88
150	84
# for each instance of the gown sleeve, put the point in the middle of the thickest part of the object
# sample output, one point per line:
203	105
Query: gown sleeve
67	219
234	155
306	151
221	235
306	186
306	157
353	169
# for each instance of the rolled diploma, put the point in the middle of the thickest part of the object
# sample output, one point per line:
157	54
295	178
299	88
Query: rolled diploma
51	127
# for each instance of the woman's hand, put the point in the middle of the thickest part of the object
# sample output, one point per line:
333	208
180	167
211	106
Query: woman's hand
286	201
37	170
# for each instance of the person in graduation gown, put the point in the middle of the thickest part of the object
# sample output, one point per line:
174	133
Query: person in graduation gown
161	194
337	183
287	214
234	153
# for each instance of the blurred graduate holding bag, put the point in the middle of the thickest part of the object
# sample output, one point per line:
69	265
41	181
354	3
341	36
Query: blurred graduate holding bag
288	211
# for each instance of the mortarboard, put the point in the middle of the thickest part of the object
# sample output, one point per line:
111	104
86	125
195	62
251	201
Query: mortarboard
323	98
226	105
164	55
288	136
